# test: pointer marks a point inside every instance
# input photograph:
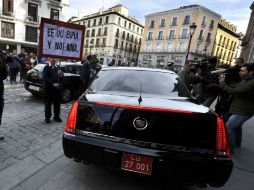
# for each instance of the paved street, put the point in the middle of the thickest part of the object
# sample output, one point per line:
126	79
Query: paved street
31	155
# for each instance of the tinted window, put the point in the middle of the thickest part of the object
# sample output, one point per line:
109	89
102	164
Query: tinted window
39	67
72	69
130	81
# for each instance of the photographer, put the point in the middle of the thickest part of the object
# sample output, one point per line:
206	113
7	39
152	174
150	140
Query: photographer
203	80
242	107
3	76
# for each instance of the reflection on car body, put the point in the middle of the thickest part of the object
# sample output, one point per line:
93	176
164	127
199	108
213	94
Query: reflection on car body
70	81
158	129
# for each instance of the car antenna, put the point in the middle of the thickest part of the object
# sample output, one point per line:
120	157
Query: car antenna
140	98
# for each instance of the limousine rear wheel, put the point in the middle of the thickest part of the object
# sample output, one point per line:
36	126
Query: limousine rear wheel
66	95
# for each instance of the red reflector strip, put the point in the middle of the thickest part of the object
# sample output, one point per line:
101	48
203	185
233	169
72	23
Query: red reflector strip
72	119
222	146
143	108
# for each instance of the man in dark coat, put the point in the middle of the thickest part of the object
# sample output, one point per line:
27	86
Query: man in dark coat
51	75
3	76
88	71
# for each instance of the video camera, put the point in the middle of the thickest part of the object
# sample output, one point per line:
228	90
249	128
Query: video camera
232	74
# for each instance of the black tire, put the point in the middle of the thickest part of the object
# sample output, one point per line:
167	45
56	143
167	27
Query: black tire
66	95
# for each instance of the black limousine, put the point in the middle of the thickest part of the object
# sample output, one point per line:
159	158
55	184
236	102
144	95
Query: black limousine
70	81
146	121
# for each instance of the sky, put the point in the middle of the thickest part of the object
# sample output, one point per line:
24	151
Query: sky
235	11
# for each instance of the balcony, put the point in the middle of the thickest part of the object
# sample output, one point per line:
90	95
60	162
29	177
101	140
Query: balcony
211	27
162	25
173	24
35	19
151	26
183	37
100	23
208	40
98	34
149	39
201	38
159	38
9	15
203	24
171	37
117	35
186	22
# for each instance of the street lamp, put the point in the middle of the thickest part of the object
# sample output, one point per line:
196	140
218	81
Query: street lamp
192	30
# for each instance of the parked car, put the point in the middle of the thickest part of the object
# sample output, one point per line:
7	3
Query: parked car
146	121
70	81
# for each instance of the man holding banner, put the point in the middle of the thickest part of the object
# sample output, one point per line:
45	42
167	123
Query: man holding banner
52	90
59	40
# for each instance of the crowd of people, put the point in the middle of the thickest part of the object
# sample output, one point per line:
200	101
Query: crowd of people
232	87
19	63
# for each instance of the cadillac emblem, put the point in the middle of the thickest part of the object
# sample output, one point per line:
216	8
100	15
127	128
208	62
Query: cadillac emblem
140	123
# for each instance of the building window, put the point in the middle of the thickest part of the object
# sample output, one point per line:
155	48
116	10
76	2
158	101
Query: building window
174	21
211	24
170	46
182	46
160	35
94	22
54	14
186	19
97	44
32	12
106	21
99	32
31	34
8	7
152	24
200	37
7	29
117	32
129	26
171	34
93	33
163	22
150	36
125	24
89	23
116	43
208	39
104	41
88	33
87	43
105	31
119	21
204	21
100	21
128	37
184	33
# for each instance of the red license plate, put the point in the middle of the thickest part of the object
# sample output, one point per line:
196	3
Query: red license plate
137	163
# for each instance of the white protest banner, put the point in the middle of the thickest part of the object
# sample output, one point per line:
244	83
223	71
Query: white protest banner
61	40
